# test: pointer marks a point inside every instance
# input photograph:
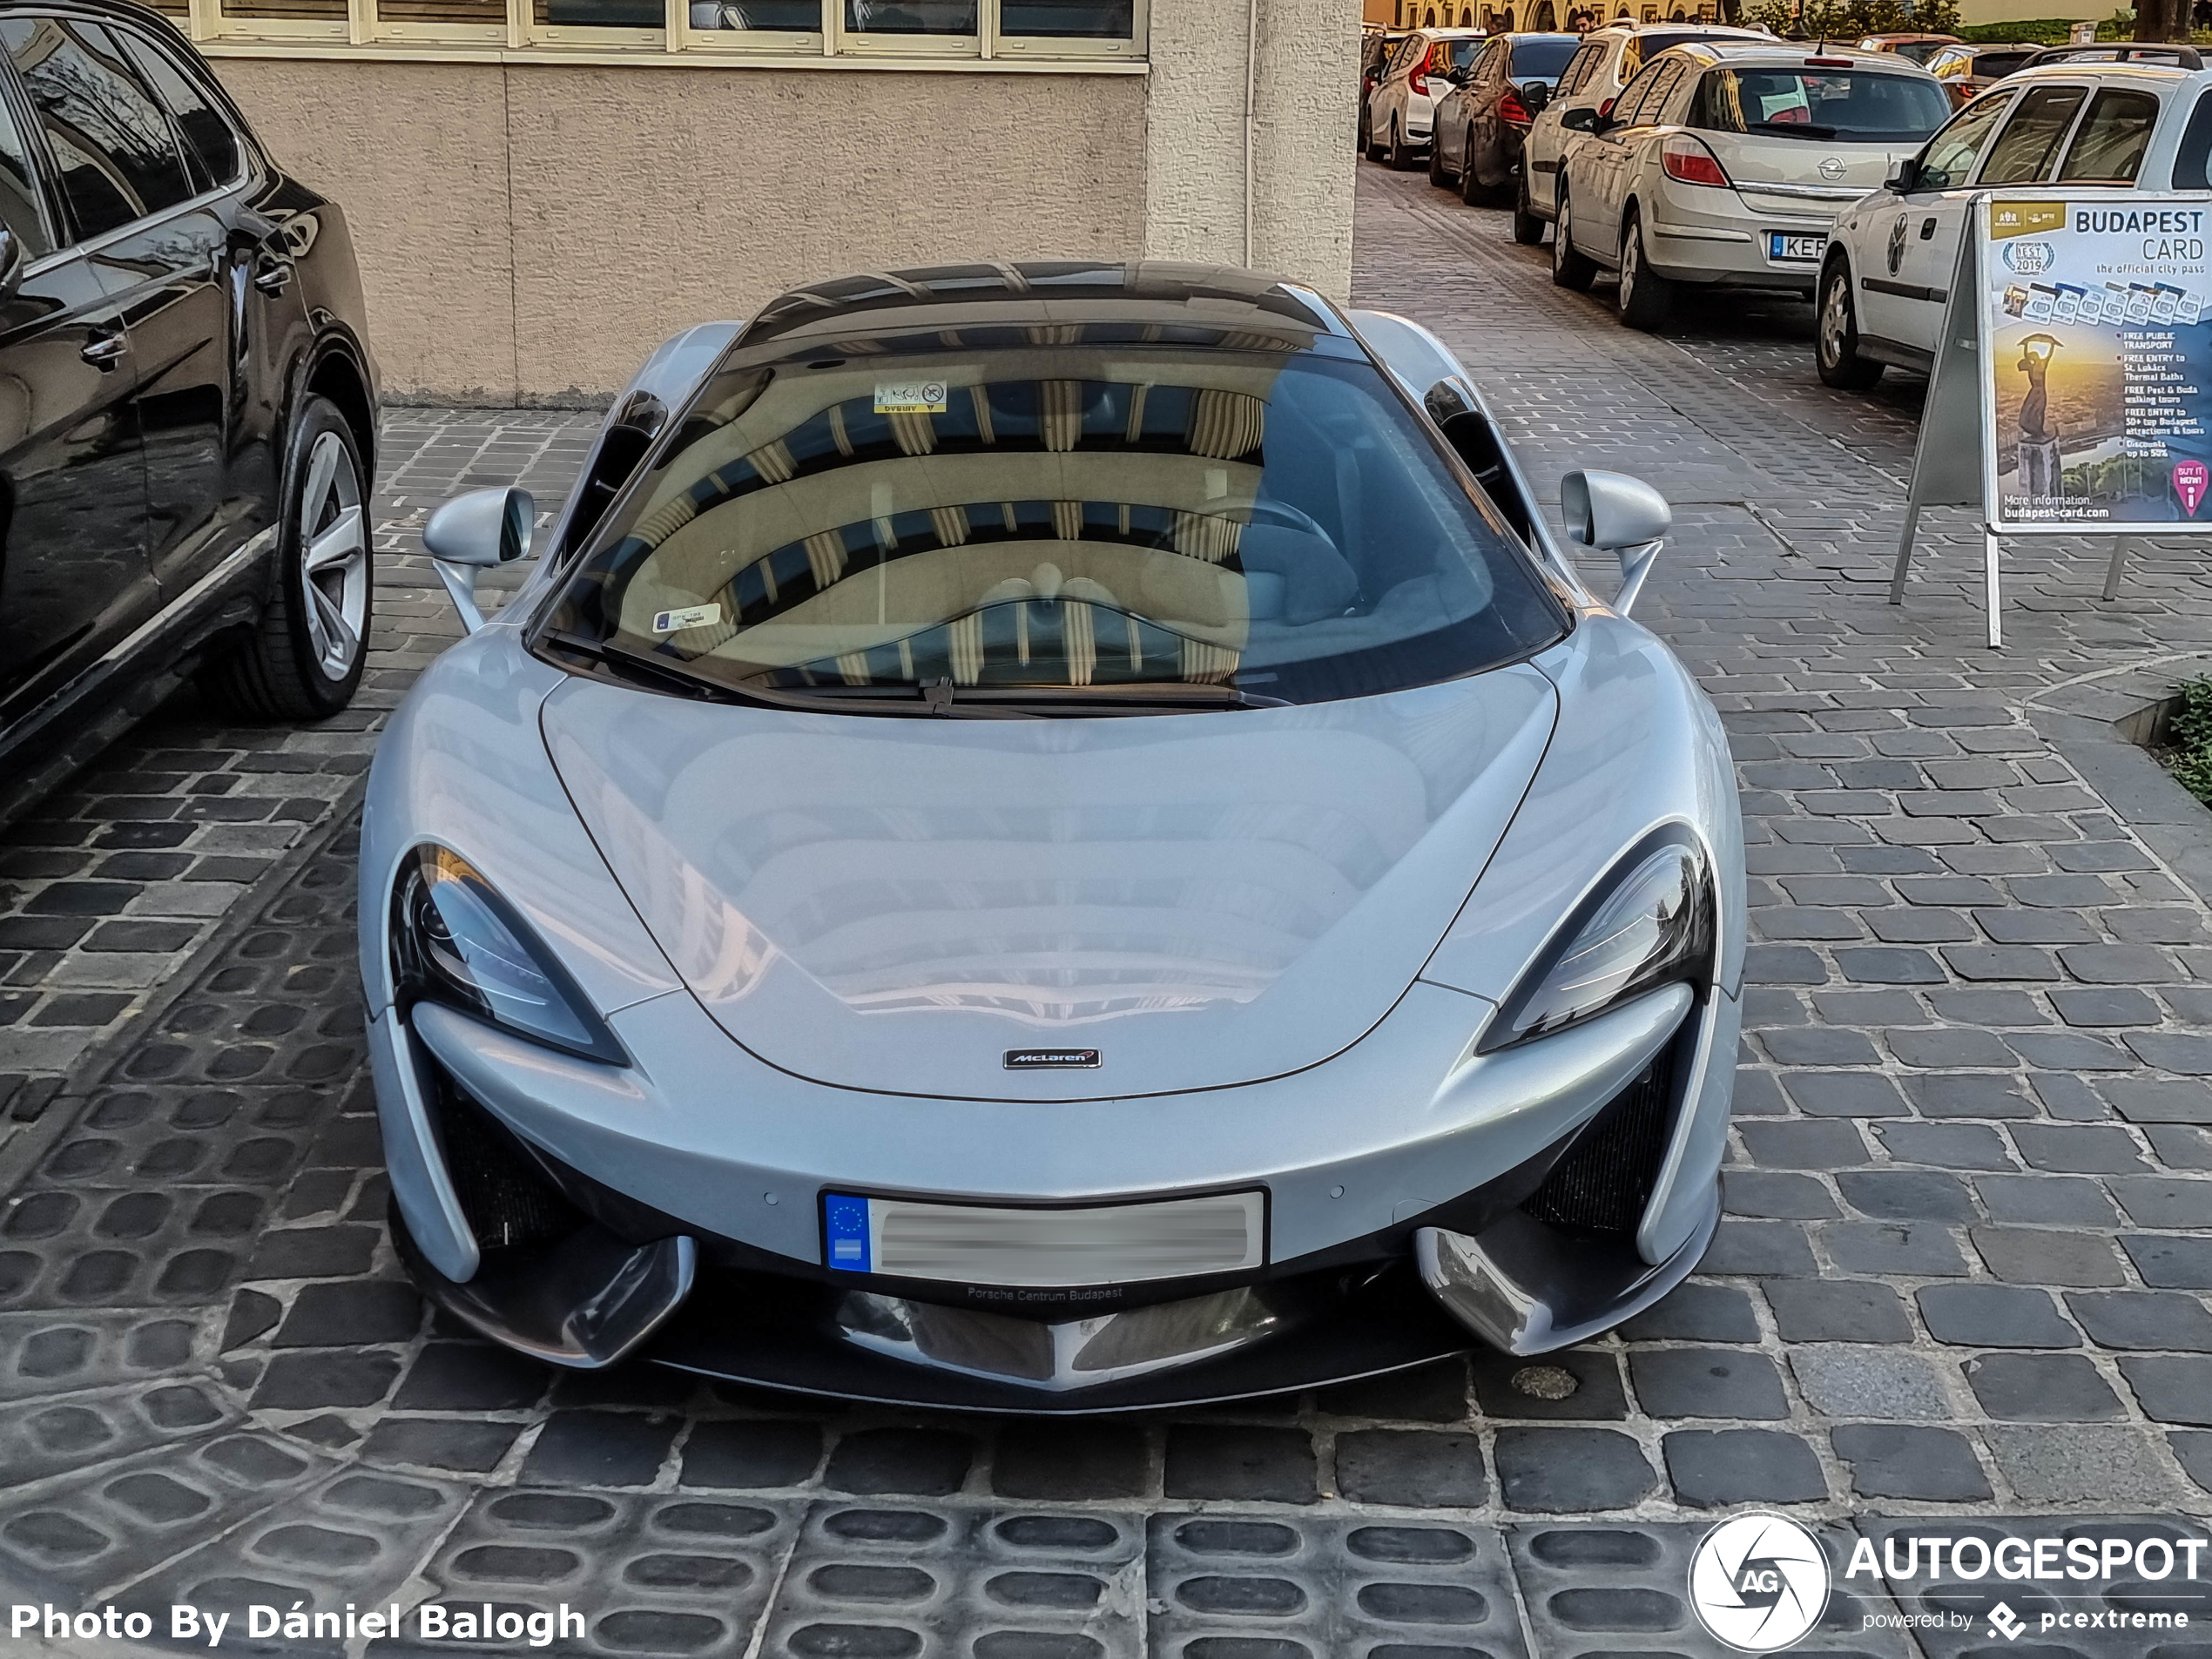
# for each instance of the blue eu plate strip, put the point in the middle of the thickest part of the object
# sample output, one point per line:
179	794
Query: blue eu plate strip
845	1220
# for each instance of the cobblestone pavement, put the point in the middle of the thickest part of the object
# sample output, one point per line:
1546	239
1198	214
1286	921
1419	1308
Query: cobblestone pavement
1964	1271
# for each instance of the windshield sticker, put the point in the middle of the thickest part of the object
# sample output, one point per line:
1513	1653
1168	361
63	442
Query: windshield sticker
910	397
668	621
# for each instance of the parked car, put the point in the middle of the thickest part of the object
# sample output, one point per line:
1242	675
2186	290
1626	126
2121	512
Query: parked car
188	422
1609	60
1916	48
1965	70
1376	44
1400	108
1478	126
2118	51
1887	277
1722	164
898	904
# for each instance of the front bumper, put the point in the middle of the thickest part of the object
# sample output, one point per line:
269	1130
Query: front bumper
1619	1127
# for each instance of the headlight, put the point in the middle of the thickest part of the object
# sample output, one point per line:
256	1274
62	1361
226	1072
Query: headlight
1650	924
455	941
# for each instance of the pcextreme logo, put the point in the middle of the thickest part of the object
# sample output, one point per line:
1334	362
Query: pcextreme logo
1759	1582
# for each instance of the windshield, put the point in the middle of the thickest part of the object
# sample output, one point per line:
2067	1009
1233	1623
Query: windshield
1917	51
1060	513
1542	57
1998	64
1869	105
1462	52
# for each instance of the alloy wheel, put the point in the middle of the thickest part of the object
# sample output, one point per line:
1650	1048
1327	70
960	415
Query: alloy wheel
334	556
1833	299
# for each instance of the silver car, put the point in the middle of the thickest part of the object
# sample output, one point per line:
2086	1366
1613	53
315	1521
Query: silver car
1051	838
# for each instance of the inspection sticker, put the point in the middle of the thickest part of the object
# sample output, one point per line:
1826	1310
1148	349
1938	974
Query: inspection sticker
910	397
667	622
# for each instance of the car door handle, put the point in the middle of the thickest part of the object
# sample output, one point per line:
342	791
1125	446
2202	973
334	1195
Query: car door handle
1927	229
272	275
107	348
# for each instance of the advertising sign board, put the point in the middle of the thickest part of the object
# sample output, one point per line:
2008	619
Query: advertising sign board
2078	345
2096	377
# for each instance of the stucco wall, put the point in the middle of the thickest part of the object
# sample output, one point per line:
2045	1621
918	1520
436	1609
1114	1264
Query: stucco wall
530	232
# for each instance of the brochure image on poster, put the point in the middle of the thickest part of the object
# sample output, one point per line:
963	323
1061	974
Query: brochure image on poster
2096	325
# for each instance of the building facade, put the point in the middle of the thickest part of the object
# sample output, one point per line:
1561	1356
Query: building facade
542	190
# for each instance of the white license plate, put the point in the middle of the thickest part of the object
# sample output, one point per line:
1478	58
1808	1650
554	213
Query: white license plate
1119	1244
1781	245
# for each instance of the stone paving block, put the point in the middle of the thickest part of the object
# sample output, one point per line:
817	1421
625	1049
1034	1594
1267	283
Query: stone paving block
1724	1468
1417	1469
2143	1319
1551	1471
654	1574
1706	1382
1994	1315
1579	1385
2042	1387
1310	1587
1926	1465
1839	1381
1270	1464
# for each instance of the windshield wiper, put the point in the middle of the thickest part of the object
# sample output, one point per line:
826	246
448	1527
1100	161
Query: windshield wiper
639	670
943	698
1794	129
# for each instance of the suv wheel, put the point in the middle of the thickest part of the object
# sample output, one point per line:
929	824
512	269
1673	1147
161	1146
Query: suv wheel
1645	297
304	659
1571	267
1401	153
1528	229
1437	176
1835	335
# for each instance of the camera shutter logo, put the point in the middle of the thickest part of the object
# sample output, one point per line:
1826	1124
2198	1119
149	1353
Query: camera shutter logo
1759	1582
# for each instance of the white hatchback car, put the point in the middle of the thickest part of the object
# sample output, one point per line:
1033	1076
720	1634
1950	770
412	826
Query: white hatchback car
1401	109
1886	279
1724	163
1609	60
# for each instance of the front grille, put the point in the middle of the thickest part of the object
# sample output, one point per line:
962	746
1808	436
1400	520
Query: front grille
1604	1182
506	1199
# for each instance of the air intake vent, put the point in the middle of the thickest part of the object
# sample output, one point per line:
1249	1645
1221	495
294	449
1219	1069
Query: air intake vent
506	1199
1604	1182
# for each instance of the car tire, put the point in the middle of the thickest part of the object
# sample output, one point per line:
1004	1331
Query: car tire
1528	229
1571	267
304	658
1472	191
1835	334
1372	146
1401	153
1645	297
1436	177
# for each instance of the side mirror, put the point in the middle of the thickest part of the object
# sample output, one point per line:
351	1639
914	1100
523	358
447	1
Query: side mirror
1459	76
1904	177
12	261
1584	119
1534	96
1617	514
474	532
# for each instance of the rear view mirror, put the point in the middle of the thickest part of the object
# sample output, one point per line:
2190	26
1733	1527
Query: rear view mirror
1904	176
1617	514
1534	96
475	532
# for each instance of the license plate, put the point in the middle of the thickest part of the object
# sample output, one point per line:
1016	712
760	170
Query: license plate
1781	245
1119	1244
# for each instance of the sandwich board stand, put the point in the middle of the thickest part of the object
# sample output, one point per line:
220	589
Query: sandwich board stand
2077	349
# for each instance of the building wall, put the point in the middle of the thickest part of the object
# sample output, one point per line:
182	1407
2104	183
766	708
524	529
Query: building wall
1980	11
529	231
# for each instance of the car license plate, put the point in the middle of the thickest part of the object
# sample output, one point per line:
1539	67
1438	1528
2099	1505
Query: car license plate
1117	1244
1781	245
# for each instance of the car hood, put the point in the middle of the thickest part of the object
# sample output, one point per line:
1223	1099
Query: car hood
895	904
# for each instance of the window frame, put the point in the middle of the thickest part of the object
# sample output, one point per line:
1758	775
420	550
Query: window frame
362	33
2060	141
2082	127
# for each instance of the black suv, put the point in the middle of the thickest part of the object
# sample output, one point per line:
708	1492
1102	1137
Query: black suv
188	405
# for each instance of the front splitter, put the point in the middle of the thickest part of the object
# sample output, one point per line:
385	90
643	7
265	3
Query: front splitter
783	1341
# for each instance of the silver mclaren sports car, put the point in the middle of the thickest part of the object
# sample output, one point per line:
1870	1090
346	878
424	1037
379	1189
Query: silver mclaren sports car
1051	838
